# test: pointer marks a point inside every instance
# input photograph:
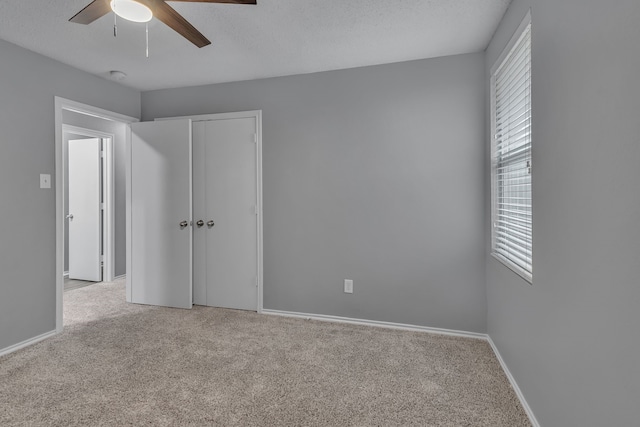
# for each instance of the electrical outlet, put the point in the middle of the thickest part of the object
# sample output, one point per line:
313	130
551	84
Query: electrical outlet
348	286
45	180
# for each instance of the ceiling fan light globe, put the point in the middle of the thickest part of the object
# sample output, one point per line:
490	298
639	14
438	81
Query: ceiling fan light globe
131	10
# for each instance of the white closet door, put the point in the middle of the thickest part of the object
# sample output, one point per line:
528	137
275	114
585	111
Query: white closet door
160	205
229	264
199	214
84	219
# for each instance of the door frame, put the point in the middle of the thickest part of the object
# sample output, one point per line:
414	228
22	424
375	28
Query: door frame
61	104
108	181
257	115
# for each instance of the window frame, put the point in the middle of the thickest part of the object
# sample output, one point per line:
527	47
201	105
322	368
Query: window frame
507	51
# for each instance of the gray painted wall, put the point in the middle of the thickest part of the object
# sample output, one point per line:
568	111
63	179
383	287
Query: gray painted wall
119	167
28	84
571	338
373	174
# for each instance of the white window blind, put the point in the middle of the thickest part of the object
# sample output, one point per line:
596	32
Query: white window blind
511	162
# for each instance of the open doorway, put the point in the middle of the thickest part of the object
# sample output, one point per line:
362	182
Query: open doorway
90	197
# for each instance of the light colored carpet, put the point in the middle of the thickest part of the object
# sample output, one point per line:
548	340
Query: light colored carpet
121	364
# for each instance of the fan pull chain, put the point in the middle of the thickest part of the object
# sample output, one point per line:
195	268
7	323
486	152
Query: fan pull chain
115	23
147	34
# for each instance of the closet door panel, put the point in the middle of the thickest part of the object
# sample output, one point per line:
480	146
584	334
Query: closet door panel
199	214
160	213
231	206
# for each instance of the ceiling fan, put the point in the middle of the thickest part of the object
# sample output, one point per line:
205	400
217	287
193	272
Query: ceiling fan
158	8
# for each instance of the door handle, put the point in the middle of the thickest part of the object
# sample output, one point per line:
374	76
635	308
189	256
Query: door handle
210	223
183	224
70	216
200	223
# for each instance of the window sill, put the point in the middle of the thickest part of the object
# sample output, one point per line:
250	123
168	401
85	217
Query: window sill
511	266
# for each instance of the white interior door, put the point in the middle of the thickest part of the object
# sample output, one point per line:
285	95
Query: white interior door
226	184
160	211
84	216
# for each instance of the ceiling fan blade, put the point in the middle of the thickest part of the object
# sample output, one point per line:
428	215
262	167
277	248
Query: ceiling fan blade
173	19
219	1
94	10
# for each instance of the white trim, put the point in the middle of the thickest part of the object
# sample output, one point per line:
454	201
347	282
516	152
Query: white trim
514	384
216	116
377	323
61	104
109	217
128	216
512	42
260	216
122	276
108	188
90	110
513	267
86	132
26	343
257	114
190	213
65	274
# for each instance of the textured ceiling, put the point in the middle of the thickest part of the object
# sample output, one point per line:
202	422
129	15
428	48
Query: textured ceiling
274	38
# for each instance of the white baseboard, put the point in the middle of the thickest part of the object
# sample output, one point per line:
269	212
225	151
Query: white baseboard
65	274
122	276
26	343
514	385
380	324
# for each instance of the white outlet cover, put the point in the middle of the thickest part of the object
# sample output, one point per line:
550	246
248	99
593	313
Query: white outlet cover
45	180
348	286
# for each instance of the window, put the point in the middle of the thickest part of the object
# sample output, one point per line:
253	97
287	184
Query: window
511	157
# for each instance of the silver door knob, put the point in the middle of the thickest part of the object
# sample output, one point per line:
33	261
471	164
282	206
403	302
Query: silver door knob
200	223
70	216
210	223
183	224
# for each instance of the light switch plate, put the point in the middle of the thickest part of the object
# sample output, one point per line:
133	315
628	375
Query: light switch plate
45	180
